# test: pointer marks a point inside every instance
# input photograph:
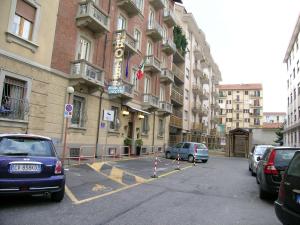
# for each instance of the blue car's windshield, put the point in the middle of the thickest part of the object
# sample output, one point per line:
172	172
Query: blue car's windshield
20	146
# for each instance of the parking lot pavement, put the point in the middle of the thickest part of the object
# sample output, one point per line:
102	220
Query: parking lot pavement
87	182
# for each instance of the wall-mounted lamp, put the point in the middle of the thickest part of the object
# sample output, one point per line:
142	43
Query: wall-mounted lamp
141	116
125	113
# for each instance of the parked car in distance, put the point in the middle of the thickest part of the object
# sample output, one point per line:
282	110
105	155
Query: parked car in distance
29	165
257	151
271	167
287	206
188	151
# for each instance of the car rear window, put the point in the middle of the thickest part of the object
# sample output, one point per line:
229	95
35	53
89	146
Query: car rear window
200	146
260	150
294	168
283	157
20	146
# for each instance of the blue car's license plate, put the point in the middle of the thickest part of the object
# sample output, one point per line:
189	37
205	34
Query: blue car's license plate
298	198
19	168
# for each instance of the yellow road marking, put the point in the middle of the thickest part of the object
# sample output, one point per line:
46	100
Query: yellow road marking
96	166
70	195
109	177
98	187
116	174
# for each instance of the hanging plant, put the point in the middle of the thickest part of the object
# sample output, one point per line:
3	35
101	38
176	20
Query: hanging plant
180	40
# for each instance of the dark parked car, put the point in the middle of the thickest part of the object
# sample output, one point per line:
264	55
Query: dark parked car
271	167
29	165
187	151
287	206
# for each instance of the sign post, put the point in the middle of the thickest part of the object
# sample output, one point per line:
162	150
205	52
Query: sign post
108	116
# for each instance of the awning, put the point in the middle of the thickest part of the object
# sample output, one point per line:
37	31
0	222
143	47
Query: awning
135	108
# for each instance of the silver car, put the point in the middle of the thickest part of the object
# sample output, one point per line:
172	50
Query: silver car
256	151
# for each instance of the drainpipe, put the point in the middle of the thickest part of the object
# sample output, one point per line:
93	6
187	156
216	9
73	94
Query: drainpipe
101	90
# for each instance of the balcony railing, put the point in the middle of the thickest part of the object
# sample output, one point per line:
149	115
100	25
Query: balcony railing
14	108
91	17
196	89
155	31
87	73
177	112
177	95
169	17
178	73
179	57
152	64
165	107
150	102
197	53
204	95
129	6
197	70
204	62
166	76
204	111
157	4
130	42
168	47
175	121
196	108
204	79
123	90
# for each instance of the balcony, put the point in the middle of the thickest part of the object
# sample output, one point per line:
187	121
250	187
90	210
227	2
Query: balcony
89	16
166	76
203	112
150	102
204	62
196	89
204	78
238	100
177	96
222	95
197	53
154	31
178	57
215	120
157	4
152	64
83	72
122	90
130	42
168	47
178	74
169	17
204	95
197	70
196	108
215	106
129	6
175	121
238	110
165	107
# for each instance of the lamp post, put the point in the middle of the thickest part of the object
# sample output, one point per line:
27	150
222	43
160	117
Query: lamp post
70	91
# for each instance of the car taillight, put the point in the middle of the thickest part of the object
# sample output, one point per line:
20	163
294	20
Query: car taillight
58	167
281	194
269	167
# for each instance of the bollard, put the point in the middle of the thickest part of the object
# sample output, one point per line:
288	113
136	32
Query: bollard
155	167
177	168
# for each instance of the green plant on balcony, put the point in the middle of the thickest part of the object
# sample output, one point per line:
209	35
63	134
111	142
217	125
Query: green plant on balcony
138	142
127	141
180	40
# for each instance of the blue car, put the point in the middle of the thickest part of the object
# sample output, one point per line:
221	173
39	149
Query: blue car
29	165
188	151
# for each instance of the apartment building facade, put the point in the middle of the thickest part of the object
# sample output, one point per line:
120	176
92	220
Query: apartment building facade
274	117
202	74
292	61
241	106
96	47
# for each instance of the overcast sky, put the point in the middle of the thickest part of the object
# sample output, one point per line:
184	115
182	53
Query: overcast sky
248	41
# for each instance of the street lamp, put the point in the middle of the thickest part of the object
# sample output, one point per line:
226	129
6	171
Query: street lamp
70	91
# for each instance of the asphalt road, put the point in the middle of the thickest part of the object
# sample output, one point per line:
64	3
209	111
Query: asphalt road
219	192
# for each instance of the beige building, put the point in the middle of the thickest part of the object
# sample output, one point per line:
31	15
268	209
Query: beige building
200	104
241	106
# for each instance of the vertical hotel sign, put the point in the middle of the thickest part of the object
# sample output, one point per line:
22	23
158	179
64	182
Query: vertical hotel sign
115	87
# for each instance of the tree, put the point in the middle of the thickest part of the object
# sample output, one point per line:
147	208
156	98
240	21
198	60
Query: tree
279	134
180	40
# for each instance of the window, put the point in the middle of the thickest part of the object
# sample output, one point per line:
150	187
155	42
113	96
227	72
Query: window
140	5
237	124
294	93
78	117
294	73
229	92
294	168
187	73
288	84
185	115
161	127
186	94
23	20
186	145
114	125
238	116
162	93
246	92
135	80
121	23
297	66
221	101
84	49
163	62
237	106
164	34
14	101
149	48
147	85
151	19
137	36
145	127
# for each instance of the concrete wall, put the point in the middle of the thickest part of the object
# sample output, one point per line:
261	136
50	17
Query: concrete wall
263	136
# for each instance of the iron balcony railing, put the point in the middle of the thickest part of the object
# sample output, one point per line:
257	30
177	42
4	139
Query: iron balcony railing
152	64
169	17
155	31
129	6
166	107
150	101
166	76
168	46
14	108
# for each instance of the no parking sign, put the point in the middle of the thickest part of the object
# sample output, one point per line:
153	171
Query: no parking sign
68	110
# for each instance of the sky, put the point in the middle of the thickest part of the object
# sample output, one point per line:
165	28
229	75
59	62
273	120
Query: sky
248	40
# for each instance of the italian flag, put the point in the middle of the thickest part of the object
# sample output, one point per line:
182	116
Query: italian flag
140	72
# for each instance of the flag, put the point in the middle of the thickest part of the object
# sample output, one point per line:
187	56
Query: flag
140	72
127	66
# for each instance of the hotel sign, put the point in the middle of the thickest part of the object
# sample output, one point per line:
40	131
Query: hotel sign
119	53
